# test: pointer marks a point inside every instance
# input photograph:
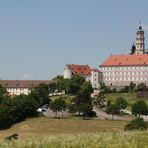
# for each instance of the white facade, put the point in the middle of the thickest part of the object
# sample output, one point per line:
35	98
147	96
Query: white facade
18	87
67	72
121	70
18	91
123	75
95	76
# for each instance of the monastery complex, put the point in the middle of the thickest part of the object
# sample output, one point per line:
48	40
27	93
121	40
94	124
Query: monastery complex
118	70
115	71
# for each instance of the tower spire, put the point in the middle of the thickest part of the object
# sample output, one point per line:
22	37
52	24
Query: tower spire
140	45
140	22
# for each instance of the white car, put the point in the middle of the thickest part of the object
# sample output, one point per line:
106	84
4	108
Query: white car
39	110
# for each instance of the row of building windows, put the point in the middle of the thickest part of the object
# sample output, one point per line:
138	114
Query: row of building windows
125	68
125	79
142	73
18	91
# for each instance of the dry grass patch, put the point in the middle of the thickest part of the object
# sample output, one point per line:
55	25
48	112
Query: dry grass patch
50	126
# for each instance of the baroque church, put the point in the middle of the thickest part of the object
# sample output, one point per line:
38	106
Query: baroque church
120	70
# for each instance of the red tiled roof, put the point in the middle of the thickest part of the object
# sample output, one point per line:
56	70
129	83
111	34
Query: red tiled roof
126	60
22	83
80	69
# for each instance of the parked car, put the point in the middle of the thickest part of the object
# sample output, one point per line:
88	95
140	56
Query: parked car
39	110
45	107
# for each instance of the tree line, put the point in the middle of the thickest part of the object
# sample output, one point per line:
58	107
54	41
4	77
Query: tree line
18	108
132	87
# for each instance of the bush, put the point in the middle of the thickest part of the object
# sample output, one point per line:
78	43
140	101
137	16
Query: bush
12	137
137	124
124	90
114	90
141	87
139	108
121	103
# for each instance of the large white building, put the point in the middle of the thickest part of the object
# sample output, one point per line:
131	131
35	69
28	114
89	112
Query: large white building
17	87
92	75
120	70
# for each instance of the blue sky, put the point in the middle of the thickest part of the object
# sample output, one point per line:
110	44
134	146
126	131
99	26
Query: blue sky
38	37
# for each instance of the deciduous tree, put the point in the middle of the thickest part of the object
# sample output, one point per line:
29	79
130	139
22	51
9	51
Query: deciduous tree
58	105
121	103
139	108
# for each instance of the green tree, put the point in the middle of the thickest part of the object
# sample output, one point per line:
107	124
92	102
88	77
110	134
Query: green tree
85	109
71	86
27	106
139	108
17	109
99	100
58	105
82	103
8	111
75	84
52	87
58	77
141	87
41	94
132	86
112	109
62	84
3	91
105	88
84	95
121	103
136	124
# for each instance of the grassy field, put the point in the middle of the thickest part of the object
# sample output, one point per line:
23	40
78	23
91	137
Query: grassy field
91	140
130	97
67	97
49	126
45	132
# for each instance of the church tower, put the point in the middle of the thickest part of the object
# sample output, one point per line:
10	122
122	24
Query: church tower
140	46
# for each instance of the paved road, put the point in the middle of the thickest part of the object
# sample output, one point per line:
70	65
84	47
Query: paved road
50	113
100	114
104	115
